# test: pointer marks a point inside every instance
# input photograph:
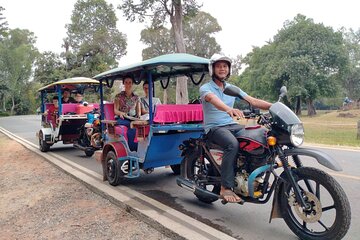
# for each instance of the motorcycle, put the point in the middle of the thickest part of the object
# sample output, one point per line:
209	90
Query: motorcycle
312	203
90	134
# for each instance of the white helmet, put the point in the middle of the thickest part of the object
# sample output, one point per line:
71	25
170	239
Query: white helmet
216	58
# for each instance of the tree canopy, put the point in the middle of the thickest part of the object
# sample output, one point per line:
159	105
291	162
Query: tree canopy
351	83
309	58
198	35
3	24
93	42
17	55
49	67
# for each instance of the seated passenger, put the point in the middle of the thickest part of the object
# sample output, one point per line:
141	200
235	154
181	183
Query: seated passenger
53	112
79	97
144	102
66	98
126	103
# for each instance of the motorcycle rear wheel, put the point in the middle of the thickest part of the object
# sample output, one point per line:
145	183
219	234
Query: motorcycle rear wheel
196	171
329	215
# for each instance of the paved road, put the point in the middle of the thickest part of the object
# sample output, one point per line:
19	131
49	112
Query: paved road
248	222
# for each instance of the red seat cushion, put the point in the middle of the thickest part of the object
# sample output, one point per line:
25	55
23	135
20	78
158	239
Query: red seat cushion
121	130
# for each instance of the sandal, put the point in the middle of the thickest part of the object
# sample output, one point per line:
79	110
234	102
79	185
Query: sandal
229	196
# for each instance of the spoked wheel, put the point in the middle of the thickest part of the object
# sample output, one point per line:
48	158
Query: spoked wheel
327	215
202	173
112	169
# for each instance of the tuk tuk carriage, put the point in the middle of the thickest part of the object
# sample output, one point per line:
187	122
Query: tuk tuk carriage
63	121
167	127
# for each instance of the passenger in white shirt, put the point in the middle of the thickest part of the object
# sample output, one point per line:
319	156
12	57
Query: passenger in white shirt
144	102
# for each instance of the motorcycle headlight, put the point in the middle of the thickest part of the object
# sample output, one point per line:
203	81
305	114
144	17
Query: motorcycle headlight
297	134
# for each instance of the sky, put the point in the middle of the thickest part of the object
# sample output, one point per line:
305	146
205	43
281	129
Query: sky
245	23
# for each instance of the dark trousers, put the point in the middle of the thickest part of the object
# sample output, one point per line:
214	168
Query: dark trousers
130	133
224	136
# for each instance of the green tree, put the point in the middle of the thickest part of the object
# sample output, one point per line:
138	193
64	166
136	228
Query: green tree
351	82
158	11
3	24
17	55
158	40
309	58
93	42
49	68
198	33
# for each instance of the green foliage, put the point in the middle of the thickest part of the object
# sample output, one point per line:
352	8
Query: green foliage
159	41
351	82
156	10
17	55
93	42
198	34
307	57
3	24
49	68
198	31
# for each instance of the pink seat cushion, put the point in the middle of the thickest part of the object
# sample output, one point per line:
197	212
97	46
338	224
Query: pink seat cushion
170	113
69	107
121	130
109	111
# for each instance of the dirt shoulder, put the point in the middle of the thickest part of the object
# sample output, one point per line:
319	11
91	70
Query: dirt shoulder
38	201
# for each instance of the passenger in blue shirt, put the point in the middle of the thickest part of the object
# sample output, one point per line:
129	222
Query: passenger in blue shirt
220	127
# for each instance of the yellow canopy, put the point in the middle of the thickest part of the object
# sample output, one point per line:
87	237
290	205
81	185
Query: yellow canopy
70	82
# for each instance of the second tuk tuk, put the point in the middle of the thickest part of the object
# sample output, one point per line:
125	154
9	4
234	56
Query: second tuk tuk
63	121
168	125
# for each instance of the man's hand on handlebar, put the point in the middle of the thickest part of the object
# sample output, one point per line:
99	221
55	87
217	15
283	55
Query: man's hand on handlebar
233	112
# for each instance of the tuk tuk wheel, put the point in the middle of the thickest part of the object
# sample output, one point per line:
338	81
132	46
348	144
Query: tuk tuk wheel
176	168
113	172
43	145
89	152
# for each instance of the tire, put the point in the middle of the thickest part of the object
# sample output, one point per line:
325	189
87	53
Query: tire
112	169
194	173
328	199
176	168
89	153
43	145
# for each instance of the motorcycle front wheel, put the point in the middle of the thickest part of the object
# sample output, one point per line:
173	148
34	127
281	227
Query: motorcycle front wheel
328	214
202	173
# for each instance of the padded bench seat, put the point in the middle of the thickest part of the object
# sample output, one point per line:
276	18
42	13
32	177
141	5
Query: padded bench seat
178	113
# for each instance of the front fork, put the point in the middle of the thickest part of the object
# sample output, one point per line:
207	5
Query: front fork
291	177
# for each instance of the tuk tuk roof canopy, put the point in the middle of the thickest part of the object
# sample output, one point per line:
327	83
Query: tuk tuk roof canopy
164	66
70	83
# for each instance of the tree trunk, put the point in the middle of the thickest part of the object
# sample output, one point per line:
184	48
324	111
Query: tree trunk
13	105
3	98
165	96
310	107
298	106
176	23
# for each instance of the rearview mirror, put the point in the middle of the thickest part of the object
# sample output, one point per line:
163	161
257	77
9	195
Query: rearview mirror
283	92
232	91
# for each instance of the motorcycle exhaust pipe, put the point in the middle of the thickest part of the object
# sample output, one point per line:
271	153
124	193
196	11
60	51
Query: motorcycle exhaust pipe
189	185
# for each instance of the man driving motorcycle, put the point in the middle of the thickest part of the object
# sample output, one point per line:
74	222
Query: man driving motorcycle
219	124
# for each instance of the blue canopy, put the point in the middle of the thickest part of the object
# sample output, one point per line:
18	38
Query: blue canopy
164	66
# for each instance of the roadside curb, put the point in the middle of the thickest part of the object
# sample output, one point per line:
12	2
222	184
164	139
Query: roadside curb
169	221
